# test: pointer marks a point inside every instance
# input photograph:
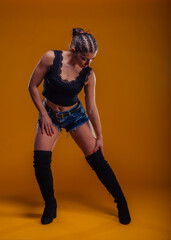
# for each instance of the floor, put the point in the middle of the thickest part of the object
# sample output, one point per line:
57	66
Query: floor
80	218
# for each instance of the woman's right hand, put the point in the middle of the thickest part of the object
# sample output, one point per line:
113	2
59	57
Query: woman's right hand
46	124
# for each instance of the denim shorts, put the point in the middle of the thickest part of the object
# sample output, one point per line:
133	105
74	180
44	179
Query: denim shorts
69	122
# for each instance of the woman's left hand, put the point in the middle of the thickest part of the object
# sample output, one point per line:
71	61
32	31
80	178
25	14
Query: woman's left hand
99	144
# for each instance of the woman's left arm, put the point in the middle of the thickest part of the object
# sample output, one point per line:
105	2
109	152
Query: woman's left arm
92	111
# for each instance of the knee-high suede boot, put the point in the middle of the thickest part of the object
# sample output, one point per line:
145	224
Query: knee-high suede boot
108	179
42	161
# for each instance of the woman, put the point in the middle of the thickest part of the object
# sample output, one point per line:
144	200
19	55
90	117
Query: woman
65	73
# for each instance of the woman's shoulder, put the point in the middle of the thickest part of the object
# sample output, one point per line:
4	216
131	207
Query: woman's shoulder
90	77
51	53
49	56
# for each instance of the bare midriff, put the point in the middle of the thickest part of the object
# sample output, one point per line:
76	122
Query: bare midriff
58	107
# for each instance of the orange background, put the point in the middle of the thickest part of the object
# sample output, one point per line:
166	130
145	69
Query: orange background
132	94
132	91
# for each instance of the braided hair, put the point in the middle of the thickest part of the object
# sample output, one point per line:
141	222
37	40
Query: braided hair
83	41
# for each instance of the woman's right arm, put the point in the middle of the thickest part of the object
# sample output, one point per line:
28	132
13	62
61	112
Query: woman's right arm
35	80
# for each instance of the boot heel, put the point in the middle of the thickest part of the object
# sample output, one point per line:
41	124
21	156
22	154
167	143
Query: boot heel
123	213
48	215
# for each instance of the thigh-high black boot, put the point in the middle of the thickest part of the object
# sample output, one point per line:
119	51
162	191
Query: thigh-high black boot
108	179
42	165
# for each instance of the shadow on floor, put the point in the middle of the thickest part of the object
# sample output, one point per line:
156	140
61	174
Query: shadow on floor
30	204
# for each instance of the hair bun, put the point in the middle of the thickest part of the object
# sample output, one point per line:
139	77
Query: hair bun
77	31
81	41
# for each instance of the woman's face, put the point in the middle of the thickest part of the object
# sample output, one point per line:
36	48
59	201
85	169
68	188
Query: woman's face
84	59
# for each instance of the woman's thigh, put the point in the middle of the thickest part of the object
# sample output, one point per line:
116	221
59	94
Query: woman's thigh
84	137
45	142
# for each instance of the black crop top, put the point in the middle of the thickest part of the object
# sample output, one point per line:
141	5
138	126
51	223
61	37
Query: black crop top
63	92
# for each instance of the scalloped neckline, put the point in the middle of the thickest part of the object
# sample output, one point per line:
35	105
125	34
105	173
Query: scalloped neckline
60	70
